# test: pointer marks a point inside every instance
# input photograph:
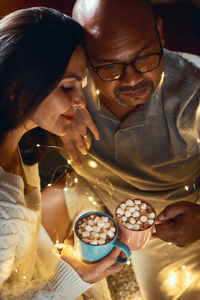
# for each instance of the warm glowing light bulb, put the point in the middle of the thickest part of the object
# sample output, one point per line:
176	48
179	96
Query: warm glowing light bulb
98	92
57	249
76	180
172	279
187	274
69	161
169	243
37	145
49	184
183	267
90	198
92	164
94	203
24	277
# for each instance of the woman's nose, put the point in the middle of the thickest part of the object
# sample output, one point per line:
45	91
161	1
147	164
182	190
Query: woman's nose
78	101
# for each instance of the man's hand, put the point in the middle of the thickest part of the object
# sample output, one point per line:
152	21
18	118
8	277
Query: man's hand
77	136
179	223
92	272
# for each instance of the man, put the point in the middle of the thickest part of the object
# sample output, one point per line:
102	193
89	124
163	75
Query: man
144	102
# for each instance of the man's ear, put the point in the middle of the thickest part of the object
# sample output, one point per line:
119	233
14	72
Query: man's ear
159	23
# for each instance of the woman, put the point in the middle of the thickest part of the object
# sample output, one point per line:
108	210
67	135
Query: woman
42	65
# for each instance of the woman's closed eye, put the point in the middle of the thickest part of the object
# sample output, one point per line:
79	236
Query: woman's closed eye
67	88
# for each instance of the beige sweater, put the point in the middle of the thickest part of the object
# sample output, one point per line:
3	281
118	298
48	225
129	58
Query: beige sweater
22	275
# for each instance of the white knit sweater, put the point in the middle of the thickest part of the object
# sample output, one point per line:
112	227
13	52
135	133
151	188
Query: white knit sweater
22	275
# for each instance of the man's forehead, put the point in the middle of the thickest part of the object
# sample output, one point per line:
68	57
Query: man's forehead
118	42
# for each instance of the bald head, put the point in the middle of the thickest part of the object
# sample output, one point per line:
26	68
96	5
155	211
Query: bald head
101	16
105	19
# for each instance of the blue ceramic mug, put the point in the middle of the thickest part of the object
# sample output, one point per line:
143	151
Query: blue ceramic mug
92	253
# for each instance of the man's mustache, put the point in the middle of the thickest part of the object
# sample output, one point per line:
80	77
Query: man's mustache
133	88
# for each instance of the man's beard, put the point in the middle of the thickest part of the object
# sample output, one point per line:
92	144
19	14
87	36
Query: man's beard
147	84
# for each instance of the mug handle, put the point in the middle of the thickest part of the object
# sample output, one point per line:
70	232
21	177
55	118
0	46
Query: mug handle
125	249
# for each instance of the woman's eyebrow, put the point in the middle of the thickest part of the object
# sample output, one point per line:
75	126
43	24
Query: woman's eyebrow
72	76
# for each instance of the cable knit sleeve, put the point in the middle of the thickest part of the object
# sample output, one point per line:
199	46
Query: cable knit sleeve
19	222
64	284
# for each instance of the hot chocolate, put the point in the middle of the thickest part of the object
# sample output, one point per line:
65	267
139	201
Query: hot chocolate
96	229
134	214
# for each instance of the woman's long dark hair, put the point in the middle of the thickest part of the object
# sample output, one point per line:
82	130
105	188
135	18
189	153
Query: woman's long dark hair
36	45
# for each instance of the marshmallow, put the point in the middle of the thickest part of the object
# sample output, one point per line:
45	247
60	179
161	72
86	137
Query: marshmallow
150	221
100	224
85	234
110	234
120	211
143	206
135	214
90	222
143	219
138	202
94	242
112	228
129	202
96	228
127	213
132	220
123	205
136	207
107	225
102	235
104	219
95	234
124	219
88	228
101	241
96	219
151	215
131	209
136	227
129	226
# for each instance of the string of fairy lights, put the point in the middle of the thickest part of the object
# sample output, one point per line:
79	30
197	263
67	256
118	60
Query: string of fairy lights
175	278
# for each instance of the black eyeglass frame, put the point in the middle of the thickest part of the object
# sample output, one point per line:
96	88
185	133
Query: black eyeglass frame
160	53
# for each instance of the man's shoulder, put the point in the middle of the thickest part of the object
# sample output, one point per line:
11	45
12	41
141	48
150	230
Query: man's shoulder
182	67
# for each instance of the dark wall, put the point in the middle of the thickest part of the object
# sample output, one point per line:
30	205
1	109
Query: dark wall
181	20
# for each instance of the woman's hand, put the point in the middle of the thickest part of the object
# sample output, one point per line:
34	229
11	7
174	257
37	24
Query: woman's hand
92	272
77	136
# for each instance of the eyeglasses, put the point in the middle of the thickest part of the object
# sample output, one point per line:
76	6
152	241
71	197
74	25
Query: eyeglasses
142	64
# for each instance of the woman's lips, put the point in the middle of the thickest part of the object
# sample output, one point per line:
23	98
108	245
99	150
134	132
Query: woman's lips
69	117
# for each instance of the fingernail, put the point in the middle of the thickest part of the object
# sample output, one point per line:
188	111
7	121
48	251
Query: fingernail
161	217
